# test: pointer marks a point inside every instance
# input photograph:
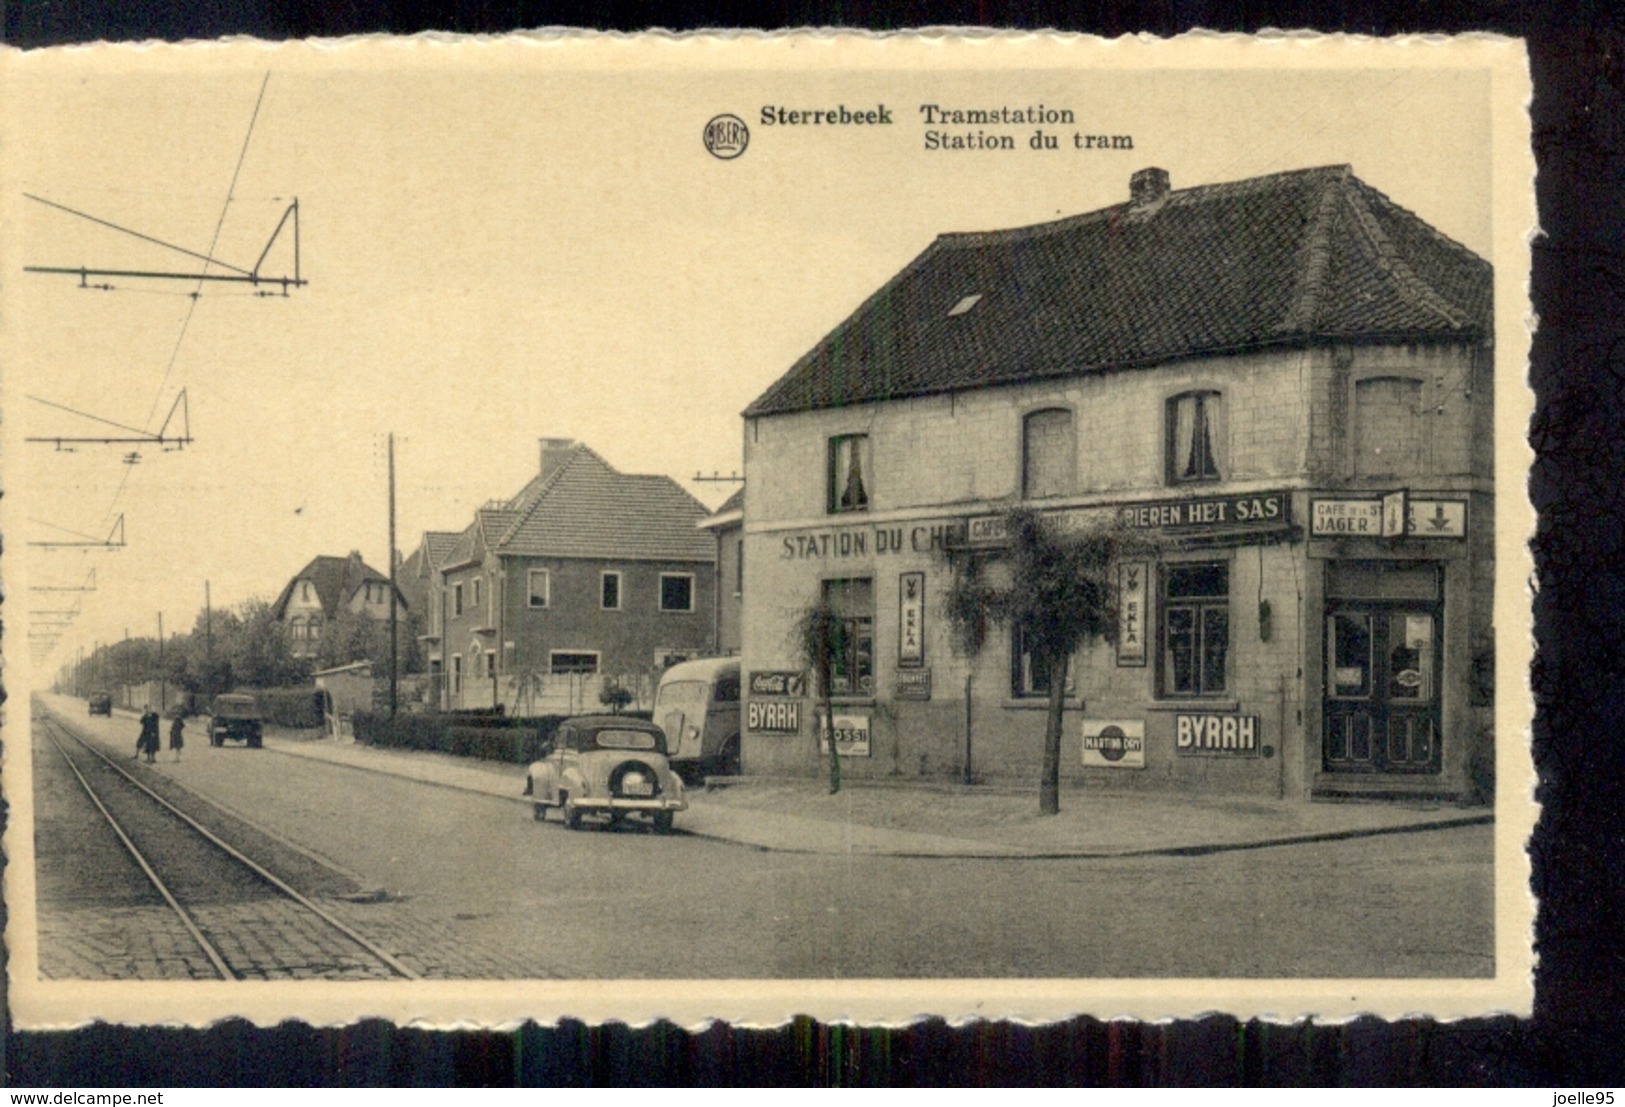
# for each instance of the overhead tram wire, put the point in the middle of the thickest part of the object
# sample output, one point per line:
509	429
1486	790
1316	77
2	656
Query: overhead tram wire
219	223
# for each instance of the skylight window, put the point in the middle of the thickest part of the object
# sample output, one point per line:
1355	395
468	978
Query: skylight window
965	305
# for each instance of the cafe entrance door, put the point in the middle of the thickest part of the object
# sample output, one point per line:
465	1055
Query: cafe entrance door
1381	706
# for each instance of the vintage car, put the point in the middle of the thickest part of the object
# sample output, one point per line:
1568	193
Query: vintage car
608	766
235	716
101	703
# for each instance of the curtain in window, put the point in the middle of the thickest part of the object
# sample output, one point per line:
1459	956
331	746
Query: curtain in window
1193	436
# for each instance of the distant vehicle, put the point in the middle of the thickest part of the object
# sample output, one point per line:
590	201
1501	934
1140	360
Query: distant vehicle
235	716
609	766
101	703
697	705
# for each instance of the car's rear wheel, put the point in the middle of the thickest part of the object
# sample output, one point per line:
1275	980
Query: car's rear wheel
253	741
572	815
538	811
662	821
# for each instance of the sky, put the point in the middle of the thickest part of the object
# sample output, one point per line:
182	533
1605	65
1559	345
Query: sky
507	241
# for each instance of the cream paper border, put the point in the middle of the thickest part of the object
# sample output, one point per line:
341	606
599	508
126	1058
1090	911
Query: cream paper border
41	1004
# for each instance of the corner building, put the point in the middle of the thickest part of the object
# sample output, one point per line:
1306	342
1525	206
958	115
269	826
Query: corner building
1288	379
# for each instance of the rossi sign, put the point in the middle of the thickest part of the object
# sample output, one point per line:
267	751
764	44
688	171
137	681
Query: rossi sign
851	735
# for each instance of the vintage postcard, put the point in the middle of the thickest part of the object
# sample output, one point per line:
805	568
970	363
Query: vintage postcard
978	525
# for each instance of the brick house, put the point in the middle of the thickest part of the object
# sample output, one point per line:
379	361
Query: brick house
1288	379
586	575
324	588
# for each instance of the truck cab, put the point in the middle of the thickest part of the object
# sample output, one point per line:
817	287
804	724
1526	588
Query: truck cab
697	705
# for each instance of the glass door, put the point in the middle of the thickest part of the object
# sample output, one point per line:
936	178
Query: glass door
1382	676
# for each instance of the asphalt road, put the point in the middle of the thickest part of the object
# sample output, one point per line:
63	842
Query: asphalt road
475	888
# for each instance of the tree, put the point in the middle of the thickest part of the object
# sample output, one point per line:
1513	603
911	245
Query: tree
613	696
823	642
259	652
1060	597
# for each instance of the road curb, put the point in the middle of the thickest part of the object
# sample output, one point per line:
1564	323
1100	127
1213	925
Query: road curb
995	852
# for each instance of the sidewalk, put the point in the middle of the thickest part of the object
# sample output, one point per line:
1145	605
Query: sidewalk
926	820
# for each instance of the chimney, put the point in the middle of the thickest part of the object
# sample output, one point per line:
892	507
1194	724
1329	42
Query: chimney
554	453
1148	187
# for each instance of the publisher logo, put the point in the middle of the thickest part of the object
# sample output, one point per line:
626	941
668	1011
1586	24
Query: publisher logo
726	137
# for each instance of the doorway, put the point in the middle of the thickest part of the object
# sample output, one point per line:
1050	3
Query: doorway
1381	706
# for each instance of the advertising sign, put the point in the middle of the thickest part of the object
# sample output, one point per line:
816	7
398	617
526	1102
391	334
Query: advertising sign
1438	519
777	682
1256	509
1131	591
1395	515
773	716
851	735
913	684
1222	735
911	620
1340	518
1114	744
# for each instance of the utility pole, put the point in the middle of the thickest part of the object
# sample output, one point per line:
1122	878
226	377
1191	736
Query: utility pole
394	628
208	643
163	685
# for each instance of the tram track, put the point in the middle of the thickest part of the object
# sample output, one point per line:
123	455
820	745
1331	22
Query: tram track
247	922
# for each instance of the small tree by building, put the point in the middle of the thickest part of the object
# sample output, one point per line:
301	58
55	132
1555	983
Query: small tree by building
821	640
613	696
1060	596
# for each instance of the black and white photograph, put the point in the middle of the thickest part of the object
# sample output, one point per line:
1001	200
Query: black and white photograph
984	526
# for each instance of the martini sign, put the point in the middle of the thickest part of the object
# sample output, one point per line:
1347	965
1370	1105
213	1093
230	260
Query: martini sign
1114	743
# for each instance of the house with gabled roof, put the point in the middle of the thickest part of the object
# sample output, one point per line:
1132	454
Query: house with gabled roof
586	575
1287	380
326	587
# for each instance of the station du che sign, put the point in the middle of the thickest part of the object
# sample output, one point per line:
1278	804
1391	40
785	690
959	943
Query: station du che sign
1236	513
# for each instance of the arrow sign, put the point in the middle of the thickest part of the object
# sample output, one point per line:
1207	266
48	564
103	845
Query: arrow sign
1438	519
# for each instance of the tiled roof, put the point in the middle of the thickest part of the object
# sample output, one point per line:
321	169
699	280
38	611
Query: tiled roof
336	579
731	511
439	543
1309	255
585	508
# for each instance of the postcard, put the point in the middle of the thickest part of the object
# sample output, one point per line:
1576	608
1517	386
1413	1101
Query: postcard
735	526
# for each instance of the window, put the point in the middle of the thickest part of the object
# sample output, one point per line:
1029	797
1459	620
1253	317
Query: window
538	584
852	669
476	604
849	468
1388	428
676	592
1194	425
456	674
457	598
1029	675
609	591
308	591
490	664
315	628
1048	454
1195	629
573	661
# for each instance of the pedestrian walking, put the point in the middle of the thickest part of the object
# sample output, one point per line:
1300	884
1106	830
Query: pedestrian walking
148	742
177	735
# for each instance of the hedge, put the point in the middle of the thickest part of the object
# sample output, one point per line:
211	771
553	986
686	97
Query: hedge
511	739
291	707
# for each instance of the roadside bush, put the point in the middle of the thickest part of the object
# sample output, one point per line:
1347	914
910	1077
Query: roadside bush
511	739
